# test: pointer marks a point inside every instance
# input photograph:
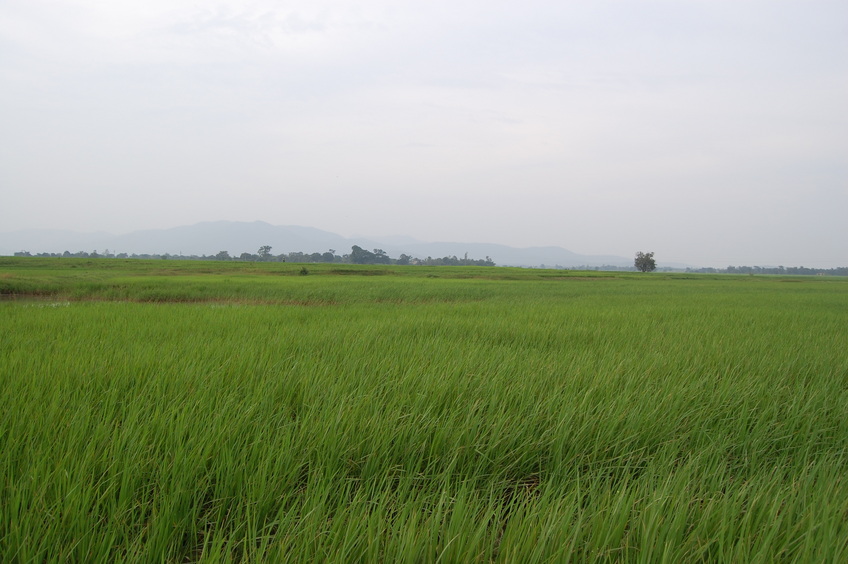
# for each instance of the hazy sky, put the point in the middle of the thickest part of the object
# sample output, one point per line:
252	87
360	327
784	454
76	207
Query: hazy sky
712	132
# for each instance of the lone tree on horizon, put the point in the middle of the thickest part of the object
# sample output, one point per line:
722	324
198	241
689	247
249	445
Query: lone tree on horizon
645	262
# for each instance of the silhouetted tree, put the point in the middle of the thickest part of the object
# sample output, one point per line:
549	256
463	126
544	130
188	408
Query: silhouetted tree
380	257
645	262
358	255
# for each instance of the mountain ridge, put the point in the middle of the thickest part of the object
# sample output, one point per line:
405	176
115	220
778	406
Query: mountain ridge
236	237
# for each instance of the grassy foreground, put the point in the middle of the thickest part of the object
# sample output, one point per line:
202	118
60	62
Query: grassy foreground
174	412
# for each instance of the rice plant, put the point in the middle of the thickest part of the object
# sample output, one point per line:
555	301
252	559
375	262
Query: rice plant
267	416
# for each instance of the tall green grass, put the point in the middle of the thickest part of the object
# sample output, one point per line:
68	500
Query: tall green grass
413	419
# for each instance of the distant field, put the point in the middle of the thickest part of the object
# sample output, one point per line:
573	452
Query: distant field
200	411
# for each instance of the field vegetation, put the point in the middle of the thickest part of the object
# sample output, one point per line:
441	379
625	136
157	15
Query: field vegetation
165	411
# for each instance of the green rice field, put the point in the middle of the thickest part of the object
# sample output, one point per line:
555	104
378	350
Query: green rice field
168	411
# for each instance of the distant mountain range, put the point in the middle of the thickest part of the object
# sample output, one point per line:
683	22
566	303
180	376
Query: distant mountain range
208	238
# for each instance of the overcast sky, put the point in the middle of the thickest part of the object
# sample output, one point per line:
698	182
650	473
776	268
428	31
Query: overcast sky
712	132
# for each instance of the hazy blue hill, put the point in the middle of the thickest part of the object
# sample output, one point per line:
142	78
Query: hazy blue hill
208	238
513	256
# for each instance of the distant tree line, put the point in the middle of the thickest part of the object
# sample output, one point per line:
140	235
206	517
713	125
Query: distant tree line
792	270
789	270
378	256
358	255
